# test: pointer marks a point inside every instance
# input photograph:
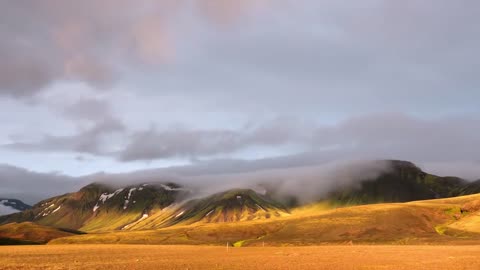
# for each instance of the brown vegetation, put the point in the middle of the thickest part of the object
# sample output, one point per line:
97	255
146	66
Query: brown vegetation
205	257
29	233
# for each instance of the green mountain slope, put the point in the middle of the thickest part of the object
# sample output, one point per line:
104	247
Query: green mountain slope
404	182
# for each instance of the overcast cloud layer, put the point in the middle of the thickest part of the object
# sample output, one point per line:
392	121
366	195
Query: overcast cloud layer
117	85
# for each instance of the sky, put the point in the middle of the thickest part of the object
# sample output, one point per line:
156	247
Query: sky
119	86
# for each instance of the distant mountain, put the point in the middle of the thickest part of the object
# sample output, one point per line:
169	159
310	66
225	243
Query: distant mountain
100	208
9	206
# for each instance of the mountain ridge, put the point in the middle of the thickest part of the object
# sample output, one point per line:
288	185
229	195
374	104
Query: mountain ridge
99	207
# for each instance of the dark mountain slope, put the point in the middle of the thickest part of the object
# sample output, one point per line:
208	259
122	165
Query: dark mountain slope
404	182
469	188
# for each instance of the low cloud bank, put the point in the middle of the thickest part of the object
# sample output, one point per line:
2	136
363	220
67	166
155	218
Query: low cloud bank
286	177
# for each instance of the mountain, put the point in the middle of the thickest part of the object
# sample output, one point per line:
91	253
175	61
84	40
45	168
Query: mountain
404	182
97	208
101	208
230	206
9	206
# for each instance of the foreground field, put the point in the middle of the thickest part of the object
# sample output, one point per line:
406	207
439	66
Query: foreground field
207	257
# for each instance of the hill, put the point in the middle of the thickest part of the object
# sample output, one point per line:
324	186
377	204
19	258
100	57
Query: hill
30	233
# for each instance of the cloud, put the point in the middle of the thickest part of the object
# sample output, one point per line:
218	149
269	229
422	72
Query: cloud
328	71
22	75
90	109
336	59
88	41
48	41
228	12
307	178
190	143
403	137
95	124
306	183
377	136
89	141
331	51
31	187
150	145
465	169
373	136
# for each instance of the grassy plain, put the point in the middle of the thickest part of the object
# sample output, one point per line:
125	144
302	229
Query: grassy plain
215	257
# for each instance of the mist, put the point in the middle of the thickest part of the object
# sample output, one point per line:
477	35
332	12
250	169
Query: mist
31	187
304	183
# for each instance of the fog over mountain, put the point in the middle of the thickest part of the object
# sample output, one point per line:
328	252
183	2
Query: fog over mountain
227	92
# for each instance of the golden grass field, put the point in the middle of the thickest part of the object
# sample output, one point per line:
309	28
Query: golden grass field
215	257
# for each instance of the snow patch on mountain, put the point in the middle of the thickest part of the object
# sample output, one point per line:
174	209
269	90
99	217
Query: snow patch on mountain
104	197
144	216
209	213
168	188
181	213
58	208
125	205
